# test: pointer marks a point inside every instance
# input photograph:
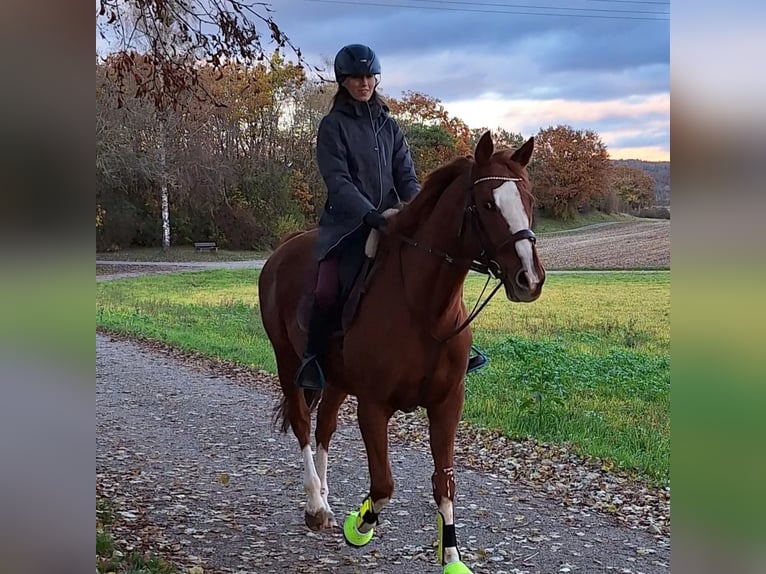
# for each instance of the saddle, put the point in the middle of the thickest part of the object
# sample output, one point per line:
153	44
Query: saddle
346	306
351	289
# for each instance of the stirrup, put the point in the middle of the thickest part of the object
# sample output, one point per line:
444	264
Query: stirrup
478	361
310	375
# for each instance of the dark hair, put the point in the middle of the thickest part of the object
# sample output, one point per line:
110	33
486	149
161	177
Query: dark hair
343	96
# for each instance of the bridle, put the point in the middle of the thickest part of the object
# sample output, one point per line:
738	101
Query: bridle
485	263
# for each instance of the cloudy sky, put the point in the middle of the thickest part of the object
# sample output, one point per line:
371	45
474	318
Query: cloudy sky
523	65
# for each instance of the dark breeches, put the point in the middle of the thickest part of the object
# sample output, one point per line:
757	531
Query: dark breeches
326	290
338	270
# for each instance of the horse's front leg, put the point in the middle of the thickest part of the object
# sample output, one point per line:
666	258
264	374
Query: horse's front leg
373	422
442	429
327	422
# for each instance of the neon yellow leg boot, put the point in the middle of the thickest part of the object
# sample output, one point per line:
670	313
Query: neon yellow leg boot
354	520
456	567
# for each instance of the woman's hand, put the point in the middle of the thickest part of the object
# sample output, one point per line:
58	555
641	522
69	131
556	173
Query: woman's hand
374	219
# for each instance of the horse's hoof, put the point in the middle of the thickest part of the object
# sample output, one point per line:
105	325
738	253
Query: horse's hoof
330	521
352	535
321	520
456	568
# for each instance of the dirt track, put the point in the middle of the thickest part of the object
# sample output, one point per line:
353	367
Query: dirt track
632	245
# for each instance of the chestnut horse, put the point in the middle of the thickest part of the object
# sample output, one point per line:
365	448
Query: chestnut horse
409	344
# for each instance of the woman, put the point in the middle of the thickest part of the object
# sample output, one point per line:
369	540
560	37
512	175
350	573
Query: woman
367	167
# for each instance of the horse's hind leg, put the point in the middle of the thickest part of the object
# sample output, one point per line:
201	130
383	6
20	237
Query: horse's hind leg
443	420
327	422
296	412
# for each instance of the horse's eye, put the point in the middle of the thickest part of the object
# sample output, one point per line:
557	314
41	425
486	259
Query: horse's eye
489	205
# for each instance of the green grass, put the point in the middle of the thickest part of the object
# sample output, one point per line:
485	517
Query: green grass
587	364
212	312
181	253
545	224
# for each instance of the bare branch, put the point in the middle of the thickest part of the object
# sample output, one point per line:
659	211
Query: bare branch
161	44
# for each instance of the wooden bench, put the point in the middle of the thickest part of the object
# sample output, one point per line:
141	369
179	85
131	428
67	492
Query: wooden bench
205	246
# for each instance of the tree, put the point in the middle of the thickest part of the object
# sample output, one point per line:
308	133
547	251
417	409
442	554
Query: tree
569	169
160	46
175	36
243	172
433	136
632	185
307	106
502	138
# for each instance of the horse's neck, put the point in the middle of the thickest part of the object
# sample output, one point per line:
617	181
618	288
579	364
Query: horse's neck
432	283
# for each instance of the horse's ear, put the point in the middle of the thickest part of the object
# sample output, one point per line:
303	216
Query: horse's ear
523	154
484	148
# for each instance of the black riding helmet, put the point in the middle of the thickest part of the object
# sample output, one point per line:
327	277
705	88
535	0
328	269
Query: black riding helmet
356	60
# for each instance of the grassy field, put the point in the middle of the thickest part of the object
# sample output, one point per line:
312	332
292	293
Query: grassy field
588	364
176	254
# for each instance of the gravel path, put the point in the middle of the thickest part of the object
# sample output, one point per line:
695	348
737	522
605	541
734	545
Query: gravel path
188	462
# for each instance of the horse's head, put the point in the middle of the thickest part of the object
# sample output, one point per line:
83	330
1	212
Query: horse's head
500	209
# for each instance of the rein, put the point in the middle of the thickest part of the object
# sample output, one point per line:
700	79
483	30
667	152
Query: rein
486	265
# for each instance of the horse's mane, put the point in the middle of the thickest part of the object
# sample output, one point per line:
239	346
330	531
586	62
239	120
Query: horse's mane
434	185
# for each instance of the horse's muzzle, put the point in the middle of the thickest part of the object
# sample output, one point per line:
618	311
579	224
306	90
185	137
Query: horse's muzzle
525	286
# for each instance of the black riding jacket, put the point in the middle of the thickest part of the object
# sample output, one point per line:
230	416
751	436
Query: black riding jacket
366	164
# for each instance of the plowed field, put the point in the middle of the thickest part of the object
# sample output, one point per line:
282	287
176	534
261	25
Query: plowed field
630	245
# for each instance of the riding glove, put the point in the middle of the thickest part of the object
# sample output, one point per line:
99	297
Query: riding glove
374	219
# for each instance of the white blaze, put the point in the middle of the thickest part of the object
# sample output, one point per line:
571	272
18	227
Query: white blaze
508	201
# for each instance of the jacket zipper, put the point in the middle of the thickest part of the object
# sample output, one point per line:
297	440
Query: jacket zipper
378	153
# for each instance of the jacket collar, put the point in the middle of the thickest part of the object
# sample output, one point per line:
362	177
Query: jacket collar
357	109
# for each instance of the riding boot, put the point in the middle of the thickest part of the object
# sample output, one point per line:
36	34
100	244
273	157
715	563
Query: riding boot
310	375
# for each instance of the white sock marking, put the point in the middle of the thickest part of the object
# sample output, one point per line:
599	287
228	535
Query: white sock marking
321	461
311	483
445	507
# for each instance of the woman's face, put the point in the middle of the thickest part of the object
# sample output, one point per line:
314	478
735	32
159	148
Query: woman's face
360	87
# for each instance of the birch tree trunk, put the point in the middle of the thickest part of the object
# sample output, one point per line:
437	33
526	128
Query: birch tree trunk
164	185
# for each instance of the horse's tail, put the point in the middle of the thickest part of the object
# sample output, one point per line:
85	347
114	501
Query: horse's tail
281	419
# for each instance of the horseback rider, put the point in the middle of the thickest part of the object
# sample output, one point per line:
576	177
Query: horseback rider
366	164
